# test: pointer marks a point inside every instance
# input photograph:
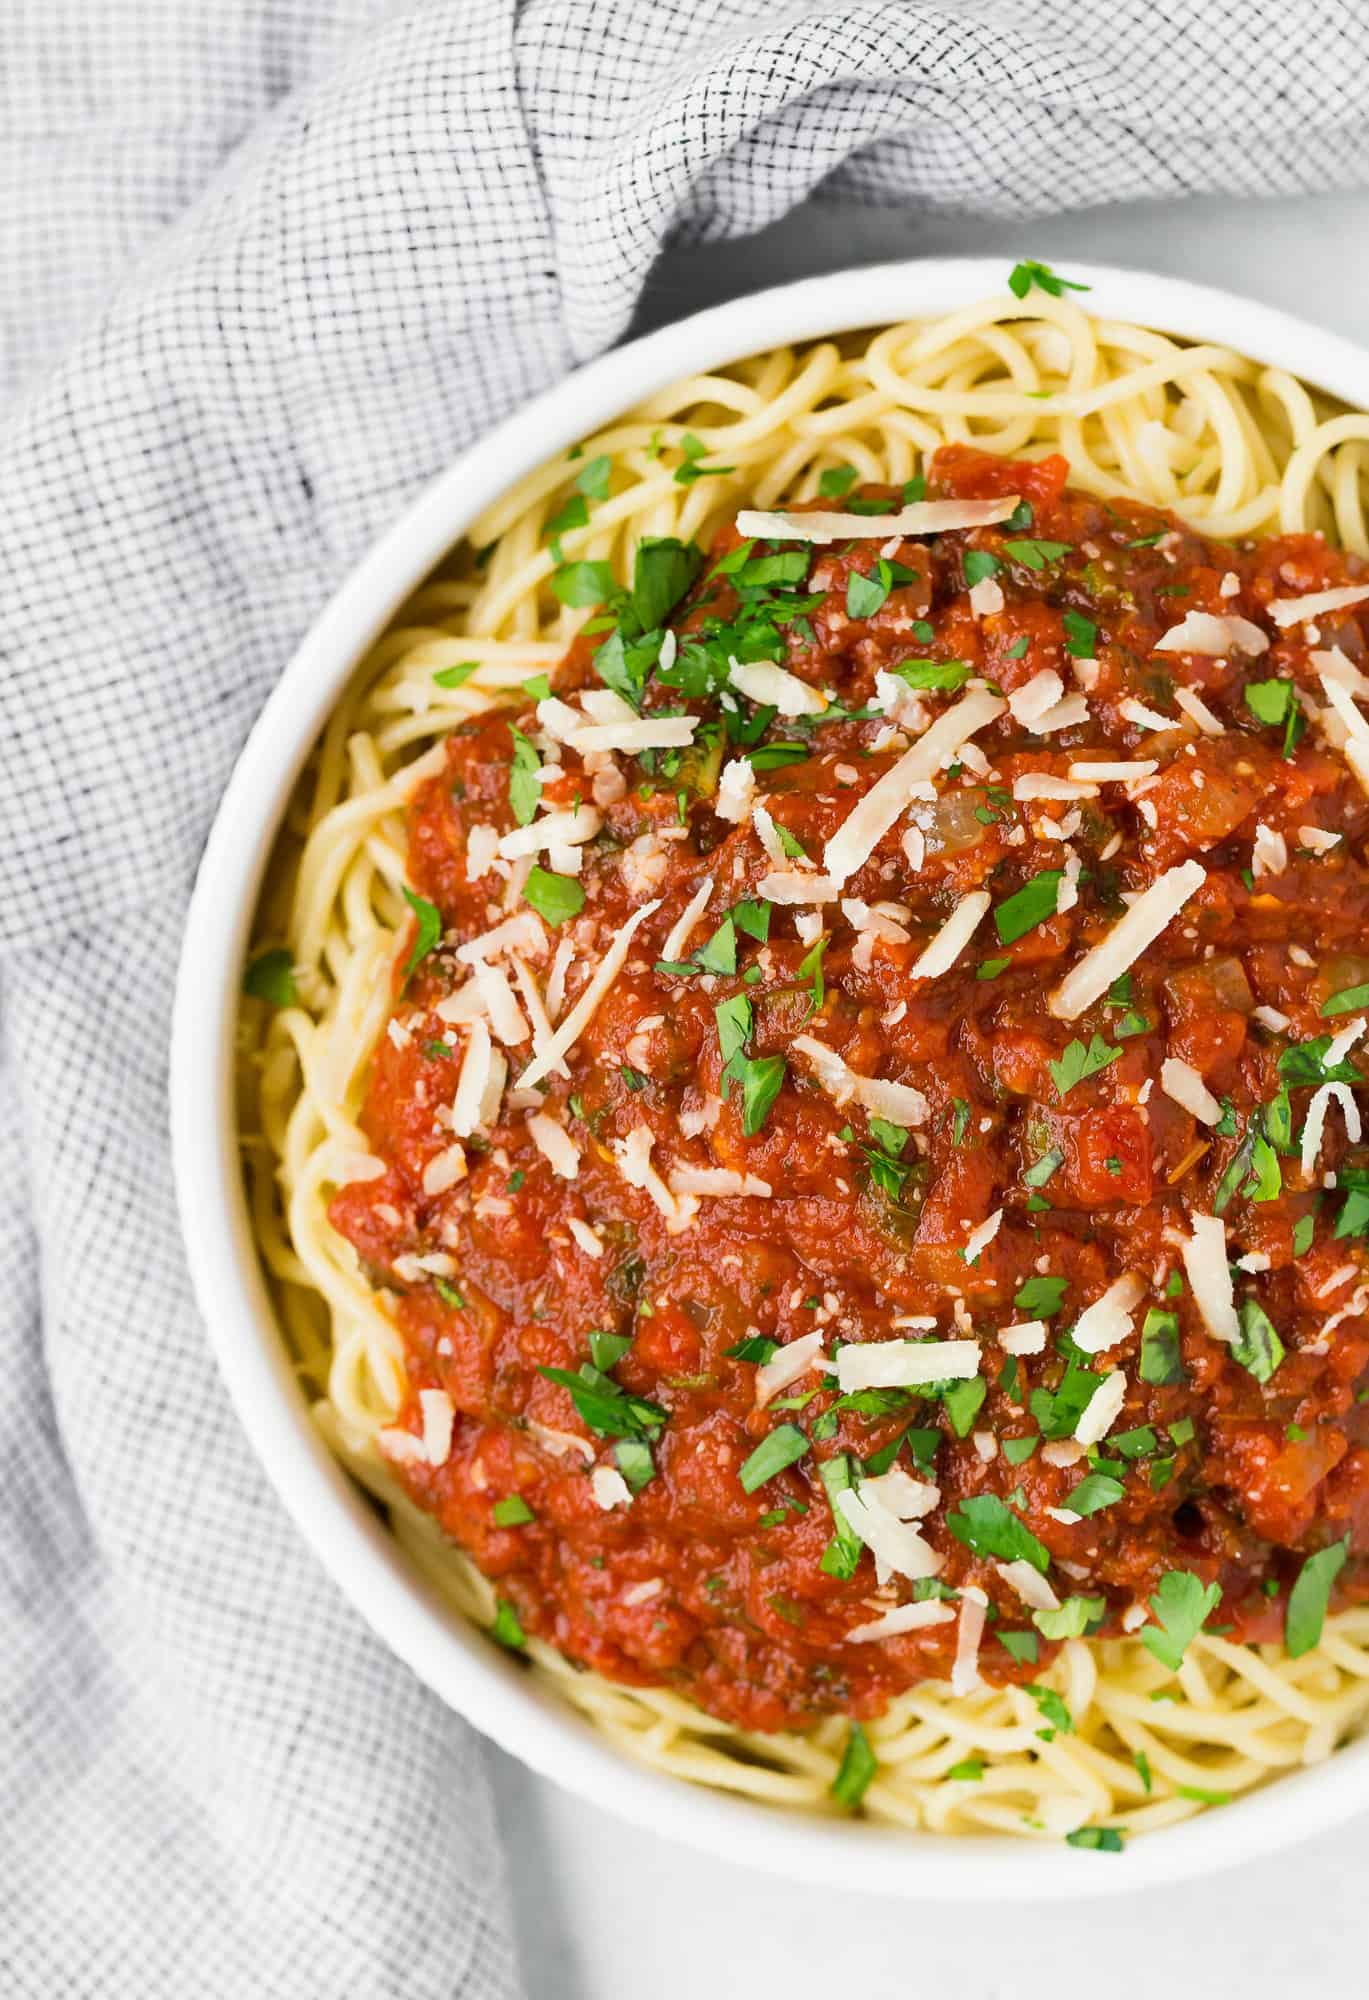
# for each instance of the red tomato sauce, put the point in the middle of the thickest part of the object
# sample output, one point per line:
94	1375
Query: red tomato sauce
720	1592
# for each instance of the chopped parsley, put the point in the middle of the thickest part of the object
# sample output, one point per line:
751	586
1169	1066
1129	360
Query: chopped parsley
1079	1062
1350	1000
926	675
1035	554
271	977
513	1512
1161	1364
1029	272
428	932
633	1459
1182	1603
605	1408
858	1767
1259	1349
989	1528
1041	1297
1081	636
1095	1491
506	1627
1072	1619
556	898
837	481
457	676
784	1446
1030	906
1310	1596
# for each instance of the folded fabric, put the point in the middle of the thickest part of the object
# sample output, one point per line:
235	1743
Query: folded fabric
365	233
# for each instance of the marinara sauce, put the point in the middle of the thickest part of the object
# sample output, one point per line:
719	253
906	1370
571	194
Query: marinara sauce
1229	1461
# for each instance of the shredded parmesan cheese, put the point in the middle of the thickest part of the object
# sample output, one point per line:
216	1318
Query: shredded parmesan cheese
945	948
1108	1319
1297	610
903	1618
1201	632
860	833
762	681
555	1145
1148	916
904	1364
1314	1129
1101	1411
569	1031
1204	1255
923	517
1181	1082
898	1102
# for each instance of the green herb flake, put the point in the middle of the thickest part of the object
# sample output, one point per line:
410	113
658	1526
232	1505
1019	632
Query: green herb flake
858	1767
1041	1297
1081	636
1072	1619
633	1459
1095	1491
934	675
456	676
1350	1000
1032	904
1310	1596
556	898
992	967
1096	1839
1259	1349
1052	1708
525	779
1079	1062
989	1528
864	595
1030	272
513	1512
837	481
271	977
785	1445
1182	1603
1161	1363
507	1628
1049	1163
605	1408
580	584
980	565
1035	554
428	933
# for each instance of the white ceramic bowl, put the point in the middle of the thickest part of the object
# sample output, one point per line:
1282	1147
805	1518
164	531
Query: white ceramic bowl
459	1663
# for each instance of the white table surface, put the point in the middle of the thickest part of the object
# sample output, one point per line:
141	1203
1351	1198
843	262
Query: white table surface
608	1912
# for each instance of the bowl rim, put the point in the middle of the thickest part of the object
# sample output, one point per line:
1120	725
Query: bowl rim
450	1655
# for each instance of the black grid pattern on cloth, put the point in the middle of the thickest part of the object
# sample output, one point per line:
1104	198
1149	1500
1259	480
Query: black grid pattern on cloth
269	264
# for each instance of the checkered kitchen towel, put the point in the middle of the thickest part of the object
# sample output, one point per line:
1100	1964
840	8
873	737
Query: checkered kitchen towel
265	265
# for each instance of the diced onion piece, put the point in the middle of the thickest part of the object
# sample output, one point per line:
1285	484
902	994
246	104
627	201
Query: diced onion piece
1034	1589
775	687
905	1364
900	1103
569	1030
787	1365
923	517
1108	1319
903	1618
945	948
1296	610
683	927
1209	1276
1101	1411
1148	916
1314	1129
1181	1082
1201	632
555	1145
861	832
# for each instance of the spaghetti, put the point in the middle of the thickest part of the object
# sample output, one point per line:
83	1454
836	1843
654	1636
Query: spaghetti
1107	1735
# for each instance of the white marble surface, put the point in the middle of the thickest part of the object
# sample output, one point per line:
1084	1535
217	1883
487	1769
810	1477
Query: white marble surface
607	1912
